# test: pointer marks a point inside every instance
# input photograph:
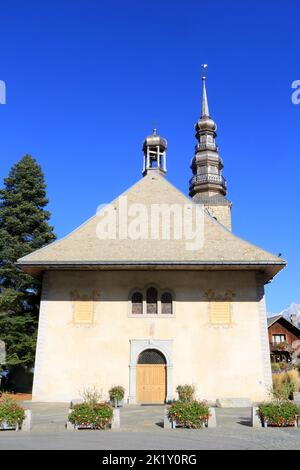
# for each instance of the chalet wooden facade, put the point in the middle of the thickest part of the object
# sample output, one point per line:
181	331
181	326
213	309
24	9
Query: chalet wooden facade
282	335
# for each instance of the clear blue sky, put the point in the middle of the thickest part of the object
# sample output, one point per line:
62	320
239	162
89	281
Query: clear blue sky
87	80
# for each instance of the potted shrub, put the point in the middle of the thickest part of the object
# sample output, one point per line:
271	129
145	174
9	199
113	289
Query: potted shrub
278	413
12	414
193	414
116	395
186	393
91	416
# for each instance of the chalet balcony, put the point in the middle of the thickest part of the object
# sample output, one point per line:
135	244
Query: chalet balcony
283	347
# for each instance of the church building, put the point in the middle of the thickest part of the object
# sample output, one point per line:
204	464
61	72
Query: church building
156	291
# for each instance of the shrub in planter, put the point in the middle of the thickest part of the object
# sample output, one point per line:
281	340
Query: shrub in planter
186	393
97	416
91	396
189	414
12	414
116	394
278	413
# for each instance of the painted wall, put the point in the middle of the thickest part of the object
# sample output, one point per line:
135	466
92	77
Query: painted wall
222	361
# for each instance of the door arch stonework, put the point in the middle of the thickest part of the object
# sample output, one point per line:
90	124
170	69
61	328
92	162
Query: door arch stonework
136	348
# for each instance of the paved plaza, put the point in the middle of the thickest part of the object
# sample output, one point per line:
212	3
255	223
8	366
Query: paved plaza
141	428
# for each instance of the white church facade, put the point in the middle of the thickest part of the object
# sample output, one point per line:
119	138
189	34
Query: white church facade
162	296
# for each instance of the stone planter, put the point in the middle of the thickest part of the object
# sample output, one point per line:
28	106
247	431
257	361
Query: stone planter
9	427
115	424
119	404
258	422
211	422
266	424
26	425
296	397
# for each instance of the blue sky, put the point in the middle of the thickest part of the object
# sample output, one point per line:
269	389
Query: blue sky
87	80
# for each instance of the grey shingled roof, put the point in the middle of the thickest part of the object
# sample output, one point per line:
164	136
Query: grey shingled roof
272	320
220	248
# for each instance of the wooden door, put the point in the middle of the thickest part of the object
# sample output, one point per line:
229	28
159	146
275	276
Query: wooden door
151	383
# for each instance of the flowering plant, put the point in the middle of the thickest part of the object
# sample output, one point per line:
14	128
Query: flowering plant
279	413
189	414
116	394
10	412
96	416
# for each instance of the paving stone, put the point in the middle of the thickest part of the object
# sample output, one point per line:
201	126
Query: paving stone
233	403
142	428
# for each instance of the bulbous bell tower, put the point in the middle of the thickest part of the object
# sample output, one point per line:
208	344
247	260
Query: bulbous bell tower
155	153
208	185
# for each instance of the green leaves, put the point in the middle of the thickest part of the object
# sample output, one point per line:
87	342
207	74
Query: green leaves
117	393
10	412
279	413
186	392
23	228
97	416
189	414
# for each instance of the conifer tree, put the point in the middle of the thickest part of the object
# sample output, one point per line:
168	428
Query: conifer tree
23	228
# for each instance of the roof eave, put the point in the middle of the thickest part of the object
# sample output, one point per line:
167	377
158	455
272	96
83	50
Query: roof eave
268	268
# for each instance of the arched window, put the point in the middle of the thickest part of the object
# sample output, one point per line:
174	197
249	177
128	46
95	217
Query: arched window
137	303
167	303
151	356
151	300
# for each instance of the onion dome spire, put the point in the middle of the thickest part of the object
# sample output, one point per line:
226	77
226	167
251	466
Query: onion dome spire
207	165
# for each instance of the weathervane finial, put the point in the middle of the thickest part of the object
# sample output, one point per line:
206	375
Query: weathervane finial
204	67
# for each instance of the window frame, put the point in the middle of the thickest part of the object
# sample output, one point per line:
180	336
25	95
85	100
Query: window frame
141	294
276	335
166	292
144	313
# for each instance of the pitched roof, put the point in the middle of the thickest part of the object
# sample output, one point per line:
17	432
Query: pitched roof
272	320
288	324
221	249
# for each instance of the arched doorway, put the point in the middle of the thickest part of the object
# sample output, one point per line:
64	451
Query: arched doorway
151	377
